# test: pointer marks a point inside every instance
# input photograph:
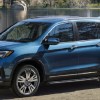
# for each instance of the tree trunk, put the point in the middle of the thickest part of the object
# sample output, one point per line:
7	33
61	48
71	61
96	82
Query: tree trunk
4	3
11	2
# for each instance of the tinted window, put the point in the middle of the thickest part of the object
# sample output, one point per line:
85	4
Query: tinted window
64	32
98	30
88	30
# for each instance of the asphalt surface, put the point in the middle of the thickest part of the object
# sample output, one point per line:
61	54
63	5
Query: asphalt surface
69	91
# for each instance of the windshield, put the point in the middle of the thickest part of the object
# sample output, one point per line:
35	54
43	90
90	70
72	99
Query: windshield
27	31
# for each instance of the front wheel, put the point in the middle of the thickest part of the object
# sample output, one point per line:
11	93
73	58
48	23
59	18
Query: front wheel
26	81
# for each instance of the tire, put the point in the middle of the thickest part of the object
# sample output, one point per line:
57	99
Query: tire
26	81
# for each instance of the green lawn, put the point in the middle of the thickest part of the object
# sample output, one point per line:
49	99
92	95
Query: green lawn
94	5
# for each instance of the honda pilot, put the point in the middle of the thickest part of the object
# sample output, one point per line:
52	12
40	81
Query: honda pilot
49	50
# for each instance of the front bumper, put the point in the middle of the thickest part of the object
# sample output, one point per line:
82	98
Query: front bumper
3	81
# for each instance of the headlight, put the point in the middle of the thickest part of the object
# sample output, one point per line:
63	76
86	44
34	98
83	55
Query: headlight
4	54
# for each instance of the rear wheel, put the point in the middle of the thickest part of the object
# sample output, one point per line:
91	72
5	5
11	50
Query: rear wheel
26	81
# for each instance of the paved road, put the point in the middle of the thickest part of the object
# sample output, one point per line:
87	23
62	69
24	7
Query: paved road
68	91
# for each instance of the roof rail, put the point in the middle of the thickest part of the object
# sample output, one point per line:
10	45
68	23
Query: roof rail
55	16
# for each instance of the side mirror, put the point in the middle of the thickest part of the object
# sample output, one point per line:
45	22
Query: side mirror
52	41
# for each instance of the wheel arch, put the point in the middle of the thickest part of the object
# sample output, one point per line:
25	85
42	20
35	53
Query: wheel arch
36	63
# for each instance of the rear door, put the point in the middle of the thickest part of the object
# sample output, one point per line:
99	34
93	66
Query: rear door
89	45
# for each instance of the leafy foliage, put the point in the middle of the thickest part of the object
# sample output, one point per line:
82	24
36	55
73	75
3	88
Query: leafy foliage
59	3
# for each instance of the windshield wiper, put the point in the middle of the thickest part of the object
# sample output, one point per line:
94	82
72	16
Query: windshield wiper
21	40
10	40
26	40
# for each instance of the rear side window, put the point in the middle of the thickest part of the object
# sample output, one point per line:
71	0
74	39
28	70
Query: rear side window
98	30
88	30
64	32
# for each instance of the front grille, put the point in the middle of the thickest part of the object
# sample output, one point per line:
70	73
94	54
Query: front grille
0	77
1	73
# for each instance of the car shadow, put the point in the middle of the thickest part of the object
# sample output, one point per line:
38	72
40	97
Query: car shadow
6	93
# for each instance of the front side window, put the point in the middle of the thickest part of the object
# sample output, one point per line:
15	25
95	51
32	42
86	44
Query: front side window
26	31
64	32
88	30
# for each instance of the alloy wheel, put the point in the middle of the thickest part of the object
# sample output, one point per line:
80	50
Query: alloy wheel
27	81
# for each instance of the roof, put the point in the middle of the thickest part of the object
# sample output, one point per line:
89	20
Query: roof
51	19
54	19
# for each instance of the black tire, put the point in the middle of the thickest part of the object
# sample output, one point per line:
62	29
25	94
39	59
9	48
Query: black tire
20	84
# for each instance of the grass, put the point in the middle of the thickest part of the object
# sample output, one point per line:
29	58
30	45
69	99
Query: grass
89	6
62	8
94	5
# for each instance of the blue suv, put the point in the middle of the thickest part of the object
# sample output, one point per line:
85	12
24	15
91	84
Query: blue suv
49	49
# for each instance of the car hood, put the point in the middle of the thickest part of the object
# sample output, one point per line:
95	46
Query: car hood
6	44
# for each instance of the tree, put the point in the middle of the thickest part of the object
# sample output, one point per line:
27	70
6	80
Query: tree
4	3
59	3
79	3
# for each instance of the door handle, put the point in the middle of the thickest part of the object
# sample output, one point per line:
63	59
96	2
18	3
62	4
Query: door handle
73	47
98	44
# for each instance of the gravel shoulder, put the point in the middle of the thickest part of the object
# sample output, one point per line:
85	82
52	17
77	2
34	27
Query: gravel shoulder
69	91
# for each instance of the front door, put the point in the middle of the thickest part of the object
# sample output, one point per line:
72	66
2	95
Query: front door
63	57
